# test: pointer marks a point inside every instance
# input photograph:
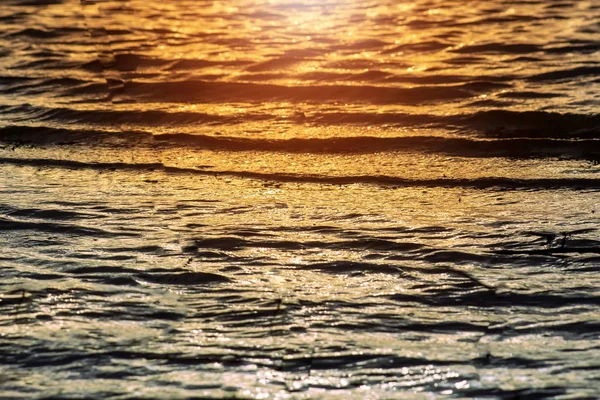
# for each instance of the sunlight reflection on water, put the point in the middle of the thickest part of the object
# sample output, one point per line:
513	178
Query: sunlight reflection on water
285	199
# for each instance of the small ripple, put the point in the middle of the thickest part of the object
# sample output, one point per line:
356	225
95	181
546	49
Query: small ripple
9	224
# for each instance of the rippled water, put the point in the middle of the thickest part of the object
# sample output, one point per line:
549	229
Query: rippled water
316	199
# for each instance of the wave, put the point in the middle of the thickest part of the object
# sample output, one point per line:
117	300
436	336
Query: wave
150	118
504	48
32	135
586	47
515	148
521	147
504	123
381	180
492	298
27	85
54	214
492	123
526	48
232	92
10	224
36	2
35	33
232	243
184	278
134	62
573	73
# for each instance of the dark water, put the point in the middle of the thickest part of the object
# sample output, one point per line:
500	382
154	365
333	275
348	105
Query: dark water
294	200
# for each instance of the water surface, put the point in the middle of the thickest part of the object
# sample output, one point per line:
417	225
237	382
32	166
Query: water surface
316	199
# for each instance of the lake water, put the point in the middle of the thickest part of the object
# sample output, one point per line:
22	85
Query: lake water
300	199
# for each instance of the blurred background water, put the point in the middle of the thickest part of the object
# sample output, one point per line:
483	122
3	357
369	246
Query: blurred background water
316	199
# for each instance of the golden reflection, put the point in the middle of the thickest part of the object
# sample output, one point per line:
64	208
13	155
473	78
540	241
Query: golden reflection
291	199
410	45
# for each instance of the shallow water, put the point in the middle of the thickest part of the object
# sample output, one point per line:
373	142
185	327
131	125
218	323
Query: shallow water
277	199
